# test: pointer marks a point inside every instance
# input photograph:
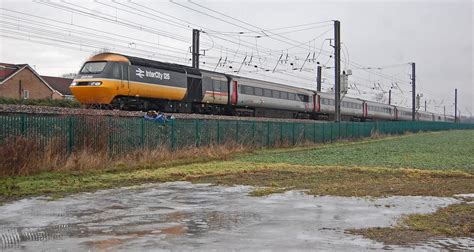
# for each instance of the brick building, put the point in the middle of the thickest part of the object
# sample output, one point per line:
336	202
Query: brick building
60	85
23	82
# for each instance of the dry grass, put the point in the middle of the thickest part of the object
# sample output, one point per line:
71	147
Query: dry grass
23	156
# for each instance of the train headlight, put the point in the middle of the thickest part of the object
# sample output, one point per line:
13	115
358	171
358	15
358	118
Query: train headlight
74	83
95	83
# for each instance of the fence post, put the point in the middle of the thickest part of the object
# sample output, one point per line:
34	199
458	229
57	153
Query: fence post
218	132
70	137
268	134
142	132
237	132
253	132
196	133
110	149
293	133
23	125
314	132
338	131
330	139
173	136
281	133
323	133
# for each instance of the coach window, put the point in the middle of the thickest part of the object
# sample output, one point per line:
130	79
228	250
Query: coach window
224	86
216	85
258	91
291	96
206	84
248	90
276	94
267	93
284	95
303	98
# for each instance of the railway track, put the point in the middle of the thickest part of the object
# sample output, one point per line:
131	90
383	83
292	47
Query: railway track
47	110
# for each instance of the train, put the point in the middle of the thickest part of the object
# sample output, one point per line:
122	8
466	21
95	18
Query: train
117	81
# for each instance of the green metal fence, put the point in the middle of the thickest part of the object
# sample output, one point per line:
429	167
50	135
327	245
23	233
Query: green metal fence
124	134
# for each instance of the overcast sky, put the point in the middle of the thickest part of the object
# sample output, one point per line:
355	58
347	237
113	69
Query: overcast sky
56	37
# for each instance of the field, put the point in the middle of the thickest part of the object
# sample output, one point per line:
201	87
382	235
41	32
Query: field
438	150
424	164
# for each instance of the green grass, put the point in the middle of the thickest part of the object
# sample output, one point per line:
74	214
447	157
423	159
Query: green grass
436	150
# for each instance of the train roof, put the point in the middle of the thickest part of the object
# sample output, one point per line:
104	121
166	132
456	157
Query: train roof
146	63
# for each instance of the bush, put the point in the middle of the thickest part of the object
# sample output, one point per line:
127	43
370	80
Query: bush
41	102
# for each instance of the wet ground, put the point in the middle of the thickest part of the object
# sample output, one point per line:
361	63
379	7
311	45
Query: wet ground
186	216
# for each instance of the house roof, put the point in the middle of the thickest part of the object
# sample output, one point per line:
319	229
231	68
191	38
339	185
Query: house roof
59	84
10	70
7	70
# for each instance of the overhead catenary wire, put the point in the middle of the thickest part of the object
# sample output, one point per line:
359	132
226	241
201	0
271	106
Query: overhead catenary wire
251	25
73	25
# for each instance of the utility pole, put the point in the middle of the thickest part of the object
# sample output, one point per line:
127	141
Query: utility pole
318	80
337	70
413	91
195	48
455	105
425	105
389	97
444	112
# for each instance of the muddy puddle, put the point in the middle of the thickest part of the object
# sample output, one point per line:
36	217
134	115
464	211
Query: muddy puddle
185	216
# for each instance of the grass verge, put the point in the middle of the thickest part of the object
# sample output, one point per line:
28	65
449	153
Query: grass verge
318	180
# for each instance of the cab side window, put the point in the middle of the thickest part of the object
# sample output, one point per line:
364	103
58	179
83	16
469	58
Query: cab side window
116	70
125	71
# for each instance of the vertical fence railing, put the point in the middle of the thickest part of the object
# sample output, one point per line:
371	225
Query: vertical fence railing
124	134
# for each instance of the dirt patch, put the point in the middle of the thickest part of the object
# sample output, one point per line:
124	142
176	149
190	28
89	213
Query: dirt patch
452	221
341	181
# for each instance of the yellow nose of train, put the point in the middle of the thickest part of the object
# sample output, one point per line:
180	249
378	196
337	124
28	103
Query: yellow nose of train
107	76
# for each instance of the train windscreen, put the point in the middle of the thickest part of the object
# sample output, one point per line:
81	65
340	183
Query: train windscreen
93	67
